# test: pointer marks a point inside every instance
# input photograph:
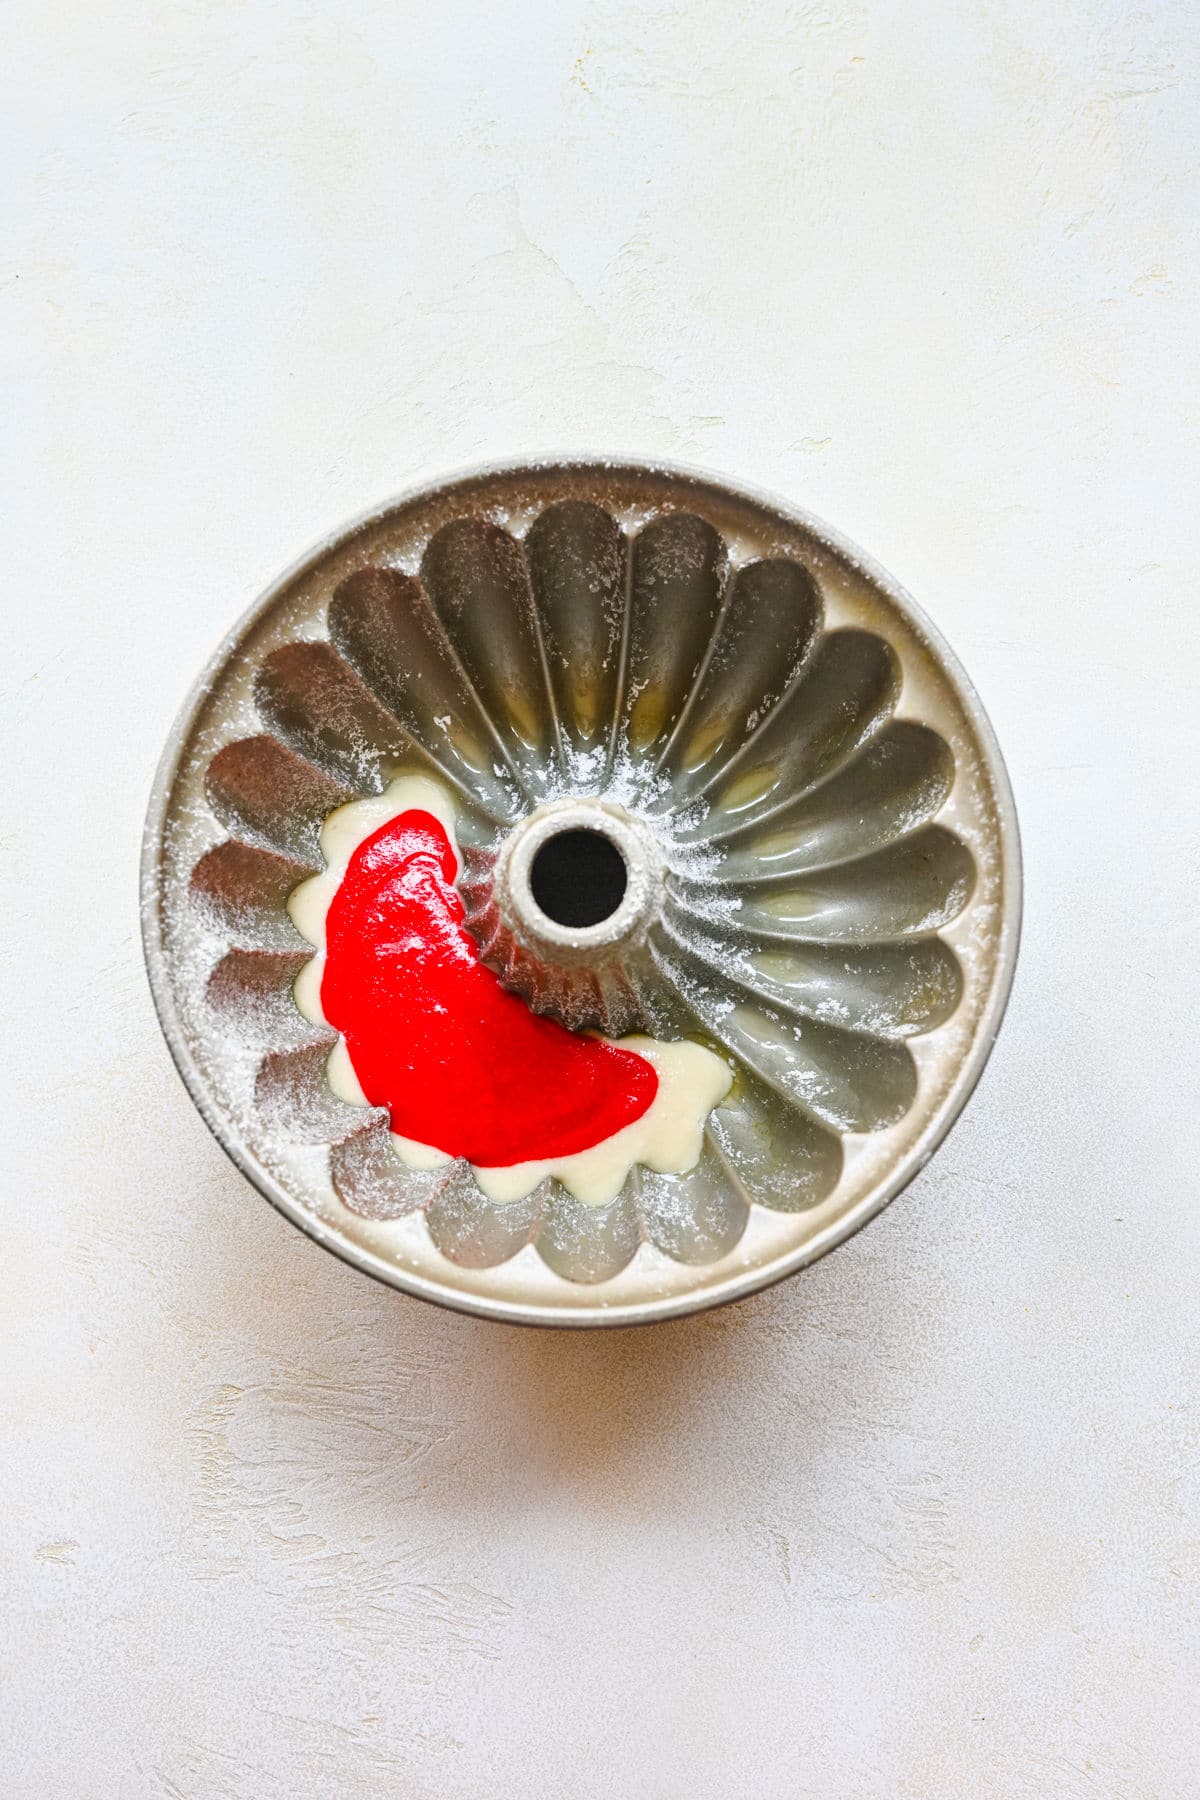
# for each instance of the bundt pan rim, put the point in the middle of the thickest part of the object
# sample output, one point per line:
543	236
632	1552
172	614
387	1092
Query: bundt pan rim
591	1307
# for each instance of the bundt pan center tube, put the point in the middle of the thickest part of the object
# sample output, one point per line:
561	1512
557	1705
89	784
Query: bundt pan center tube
648	757
570	953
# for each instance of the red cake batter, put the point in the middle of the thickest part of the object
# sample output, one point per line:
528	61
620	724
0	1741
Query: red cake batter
460	1063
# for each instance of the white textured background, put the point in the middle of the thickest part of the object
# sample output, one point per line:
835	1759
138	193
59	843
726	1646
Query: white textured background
921	1524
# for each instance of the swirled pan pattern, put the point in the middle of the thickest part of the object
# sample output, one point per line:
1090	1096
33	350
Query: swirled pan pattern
838	908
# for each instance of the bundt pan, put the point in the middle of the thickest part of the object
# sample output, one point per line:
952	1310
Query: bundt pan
821	874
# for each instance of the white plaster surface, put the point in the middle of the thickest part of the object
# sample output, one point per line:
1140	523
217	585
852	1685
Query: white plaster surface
921	1524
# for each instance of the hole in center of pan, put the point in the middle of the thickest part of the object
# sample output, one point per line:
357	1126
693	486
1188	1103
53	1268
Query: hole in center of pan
579	877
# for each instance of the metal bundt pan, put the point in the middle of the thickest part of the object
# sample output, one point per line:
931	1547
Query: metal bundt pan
820	832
